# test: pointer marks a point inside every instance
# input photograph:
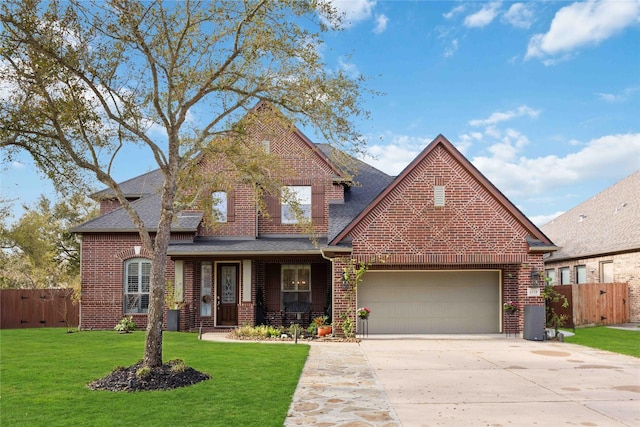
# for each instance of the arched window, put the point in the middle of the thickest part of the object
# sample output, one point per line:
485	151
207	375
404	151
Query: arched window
137	278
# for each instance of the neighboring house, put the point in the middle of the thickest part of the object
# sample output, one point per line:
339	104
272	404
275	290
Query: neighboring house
599	241
444	247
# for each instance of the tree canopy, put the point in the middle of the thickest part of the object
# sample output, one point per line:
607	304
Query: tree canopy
38	249
81	80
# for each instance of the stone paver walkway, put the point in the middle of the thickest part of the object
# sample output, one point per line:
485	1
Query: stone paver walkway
339	388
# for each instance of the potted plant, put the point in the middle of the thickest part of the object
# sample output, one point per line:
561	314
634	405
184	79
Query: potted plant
173	307
511	307
364	312
321	324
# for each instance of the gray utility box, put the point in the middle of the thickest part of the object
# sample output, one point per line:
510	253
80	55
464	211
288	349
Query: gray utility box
173	320
534	320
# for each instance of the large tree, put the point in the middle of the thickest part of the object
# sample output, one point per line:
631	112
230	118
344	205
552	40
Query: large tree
38	250
82	79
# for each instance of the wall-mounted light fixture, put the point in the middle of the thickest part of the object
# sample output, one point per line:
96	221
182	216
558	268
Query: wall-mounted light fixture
535	278
344	285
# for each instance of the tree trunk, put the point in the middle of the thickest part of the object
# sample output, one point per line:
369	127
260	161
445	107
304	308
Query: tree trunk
153	343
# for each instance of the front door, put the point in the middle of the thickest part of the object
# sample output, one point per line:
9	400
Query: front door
227	294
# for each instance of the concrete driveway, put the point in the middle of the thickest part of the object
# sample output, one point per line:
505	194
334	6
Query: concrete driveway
498	381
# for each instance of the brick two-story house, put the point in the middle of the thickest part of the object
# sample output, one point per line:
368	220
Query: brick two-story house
443	246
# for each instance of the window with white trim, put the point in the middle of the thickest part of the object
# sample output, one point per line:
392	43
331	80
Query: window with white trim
219	200
137	279
297	196
565	275
296	284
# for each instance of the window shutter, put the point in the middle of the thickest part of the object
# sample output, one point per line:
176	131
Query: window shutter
317	204
273	207
231	206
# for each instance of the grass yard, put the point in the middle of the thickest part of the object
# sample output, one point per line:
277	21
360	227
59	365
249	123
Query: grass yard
615	340
44	372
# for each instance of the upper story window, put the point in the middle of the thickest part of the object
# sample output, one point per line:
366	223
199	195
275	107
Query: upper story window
137	278
581	274
565	278
299	195
220	205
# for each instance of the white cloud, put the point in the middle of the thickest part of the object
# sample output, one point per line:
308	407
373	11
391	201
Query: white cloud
500	116
381	24
451	49
453	12
608	156
583	23
348	67
354	11
483	17
540	220
394	156
18	165
619	97
519	15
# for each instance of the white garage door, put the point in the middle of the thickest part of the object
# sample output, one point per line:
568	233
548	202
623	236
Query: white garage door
451	302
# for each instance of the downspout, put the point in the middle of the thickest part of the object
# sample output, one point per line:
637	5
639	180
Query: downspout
333	294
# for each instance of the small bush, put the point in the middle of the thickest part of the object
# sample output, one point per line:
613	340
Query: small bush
177	365
295	327
143	372
126	325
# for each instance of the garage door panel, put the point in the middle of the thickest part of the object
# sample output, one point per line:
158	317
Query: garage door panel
431	302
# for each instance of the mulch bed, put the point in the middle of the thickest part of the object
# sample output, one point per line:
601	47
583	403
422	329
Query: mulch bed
166	377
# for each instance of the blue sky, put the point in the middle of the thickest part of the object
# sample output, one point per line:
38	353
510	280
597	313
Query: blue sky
542	97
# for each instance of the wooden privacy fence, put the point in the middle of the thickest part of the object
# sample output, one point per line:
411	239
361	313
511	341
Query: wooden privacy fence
38	308
595	304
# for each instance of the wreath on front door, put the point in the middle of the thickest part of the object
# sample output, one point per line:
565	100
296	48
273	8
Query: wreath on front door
206	299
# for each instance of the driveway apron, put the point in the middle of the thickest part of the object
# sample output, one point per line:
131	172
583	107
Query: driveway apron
497	381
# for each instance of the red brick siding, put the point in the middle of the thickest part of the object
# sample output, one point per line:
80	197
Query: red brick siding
305	168
102	278
472	227
472	231
243	222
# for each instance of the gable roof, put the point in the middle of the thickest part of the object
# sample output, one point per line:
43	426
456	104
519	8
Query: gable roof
540	242
368	183
148	209
609	222
139	186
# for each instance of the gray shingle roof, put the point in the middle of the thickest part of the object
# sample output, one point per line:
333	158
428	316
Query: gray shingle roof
271	245
149	210
142	185
369	182
606	223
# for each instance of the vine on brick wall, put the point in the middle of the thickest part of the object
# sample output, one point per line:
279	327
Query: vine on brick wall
353	274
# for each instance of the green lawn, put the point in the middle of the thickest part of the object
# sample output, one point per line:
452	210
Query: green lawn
616	340
44	372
